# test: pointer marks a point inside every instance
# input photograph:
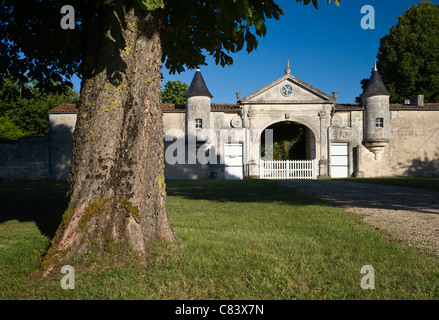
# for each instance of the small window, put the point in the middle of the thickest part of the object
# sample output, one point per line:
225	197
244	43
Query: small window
379	123
198	123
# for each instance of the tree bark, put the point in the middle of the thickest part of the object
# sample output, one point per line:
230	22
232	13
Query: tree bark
117	186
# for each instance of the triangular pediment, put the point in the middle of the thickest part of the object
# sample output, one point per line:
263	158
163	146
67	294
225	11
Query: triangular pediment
288	90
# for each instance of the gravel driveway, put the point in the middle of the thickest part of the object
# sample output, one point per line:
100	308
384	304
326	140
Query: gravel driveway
408	214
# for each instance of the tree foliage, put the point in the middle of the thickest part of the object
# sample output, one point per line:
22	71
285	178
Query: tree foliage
218	28
8	130
409	54
33	44
174	91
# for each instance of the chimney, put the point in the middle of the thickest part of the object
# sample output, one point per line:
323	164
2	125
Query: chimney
417	100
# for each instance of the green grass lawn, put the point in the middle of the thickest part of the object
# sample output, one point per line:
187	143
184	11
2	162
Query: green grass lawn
414	182
249	239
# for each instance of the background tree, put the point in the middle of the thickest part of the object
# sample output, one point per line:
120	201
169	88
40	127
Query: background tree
174	91
117	190
27	107
363	83
8	130
408	57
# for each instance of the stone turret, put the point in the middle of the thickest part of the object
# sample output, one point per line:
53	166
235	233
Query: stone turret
375	99
197	107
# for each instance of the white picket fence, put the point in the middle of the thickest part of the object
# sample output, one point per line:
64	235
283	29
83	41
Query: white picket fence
287	169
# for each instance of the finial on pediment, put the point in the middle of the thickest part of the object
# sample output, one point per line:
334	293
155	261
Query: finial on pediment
287	69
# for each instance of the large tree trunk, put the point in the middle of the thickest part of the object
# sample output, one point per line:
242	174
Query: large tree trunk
117	188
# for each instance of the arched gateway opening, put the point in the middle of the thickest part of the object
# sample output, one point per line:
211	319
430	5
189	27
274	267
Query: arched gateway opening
287	151
291	141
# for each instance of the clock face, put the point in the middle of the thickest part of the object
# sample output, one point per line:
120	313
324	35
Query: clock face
286	90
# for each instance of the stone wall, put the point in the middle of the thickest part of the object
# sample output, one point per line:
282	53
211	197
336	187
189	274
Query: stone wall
347	127
40	158
25	160
412	151
414	148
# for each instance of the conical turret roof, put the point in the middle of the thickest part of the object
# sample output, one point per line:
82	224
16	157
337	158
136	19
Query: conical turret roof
198	87
375	86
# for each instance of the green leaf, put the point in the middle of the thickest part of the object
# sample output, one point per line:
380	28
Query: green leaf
8	130
337	2
150	5
408	55
174	91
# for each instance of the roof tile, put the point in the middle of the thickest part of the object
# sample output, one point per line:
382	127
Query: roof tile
169	107
409	106
65	108
224	106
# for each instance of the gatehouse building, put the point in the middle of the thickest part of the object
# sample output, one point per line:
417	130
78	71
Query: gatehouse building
205	140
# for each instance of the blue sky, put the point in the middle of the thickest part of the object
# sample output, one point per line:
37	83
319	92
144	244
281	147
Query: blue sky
327	48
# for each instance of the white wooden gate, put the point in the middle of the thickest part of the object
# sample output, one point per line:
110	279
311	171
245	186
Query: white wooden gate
287	169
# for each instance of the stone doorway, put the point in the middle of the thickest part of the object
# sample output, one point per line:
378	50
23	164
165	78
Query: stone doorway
291	141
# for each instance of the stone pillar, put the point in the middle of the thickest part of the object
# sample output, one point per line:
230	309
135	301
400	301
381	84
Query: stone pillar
323	161
254	147
359	173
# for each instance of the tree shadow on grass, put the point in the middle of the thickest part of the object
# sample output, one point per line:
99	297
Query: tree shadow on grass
236	191
43	202
309	192
371	196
